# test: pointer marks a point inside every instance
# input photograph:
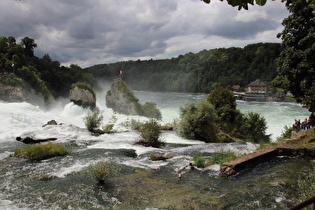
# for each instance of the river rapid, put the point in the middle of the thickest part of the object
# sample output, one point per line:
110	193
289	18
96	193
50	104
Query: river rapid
66	182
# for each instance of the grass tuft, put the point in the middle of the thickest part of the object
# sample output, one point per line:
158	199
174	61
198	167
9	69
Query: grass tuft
41	151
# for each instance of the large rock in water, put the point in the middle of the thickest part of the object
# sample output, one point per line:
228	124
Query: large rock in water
122	100
83	97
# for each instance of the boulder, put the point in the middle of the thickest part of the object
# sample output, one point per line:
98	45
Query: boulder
51	122
82	97
122	100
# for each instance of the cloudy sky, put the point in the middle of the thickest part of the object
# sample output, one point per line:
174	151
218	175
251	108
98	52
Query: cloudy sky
89	32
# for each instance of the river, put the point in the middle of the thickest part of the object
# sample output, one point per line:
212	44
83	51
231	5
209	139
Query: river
66	183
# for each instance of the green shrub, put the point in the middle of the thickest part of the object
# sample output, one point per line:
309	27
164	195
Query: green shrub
255	127
30	75
286	133
108	128
150	110
150	132
93	120
41	151
200	162
220	158
102	170
13	81
135	125
198	121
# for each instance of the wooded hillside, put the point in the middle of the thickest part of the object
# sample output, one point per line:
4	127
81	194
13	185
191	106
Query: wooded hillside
197	72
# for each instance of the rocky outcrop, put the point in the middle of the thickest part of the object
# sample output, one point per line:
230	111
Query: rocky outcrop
122	100
11	94
83	97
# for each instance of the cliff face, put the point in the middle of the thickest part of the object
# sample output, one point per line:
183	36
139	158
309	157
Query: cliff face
11	94
122	100
82	97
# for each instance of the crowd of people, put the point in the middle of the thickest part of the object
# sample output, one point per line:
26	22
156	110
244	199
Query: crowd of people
304	125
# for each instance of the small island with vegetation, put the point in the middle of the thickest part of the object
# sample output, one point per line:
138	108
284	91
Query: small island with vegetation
123	100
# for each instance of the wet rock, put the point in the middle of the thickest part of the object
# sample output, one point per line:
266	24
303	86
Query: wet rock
51	122
29	140
122	100
83	97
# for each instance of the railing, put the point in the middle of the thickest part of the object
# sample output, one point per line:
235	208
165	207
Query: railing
304	204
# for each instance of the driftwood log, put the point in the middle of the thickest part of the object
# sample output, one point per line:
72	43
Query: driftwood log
29	140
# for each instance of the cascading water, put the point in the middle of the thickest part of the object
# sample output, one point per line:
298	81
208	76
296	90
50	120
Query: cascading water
66	183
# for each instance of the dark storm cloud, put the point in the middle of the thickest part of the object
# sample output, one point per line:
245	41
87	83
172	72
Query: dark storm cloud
87	32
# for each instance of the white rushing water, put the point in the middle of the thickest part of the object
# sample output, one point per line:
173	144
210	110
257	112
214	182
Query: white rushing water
24	119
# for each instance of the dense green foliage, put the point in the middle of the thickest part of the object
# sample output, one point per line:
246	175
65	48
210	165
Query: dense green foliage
151	111
296	64
150	133
221	121
241	3
198	121
254	128
45	76
102	170
41	151
197	72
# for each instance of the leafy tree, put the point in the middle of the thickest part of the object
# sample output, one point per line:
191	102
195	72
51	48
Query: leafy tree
198	121
150	110
29	45
242	3
225	106
255	126
221	97
296	64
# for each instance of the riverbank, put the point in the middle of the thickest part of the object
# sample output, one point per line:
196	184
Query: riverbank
301	144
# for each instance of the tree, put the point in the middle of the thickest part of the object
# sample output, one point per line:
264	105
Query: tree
221	97
29	45
254	128
296	63
242	3
198	121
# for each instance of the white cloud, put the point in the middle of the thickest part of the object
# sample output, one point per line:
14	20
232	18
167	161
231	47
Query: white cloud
88	32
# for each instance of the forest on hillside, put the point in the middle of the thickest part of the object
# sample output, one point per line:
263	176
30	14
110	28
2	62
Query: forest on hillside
197	72
192	72
47	77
